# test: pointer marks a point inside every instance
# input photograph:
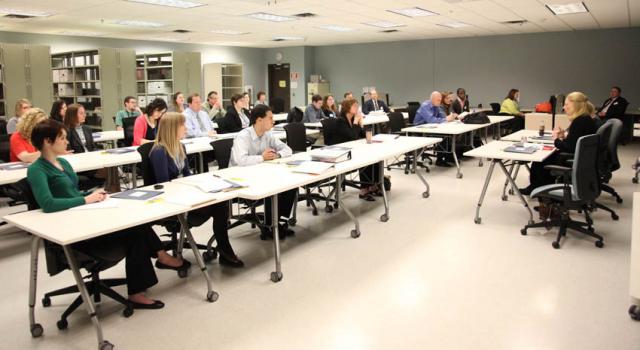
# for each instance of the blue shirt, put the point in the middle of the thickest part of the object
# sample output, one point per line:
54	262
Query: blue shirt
429	114
198	123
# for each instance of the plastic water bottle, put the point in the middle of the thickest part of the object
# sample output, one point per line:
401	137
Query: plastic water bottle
541	129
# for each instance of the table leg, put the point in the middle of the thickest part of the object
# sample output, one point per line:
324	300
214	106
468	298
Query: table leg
384	217
477	219
134	176
515	187
455	156
35	328
276	276
515	176
88	302
212	295
200	162
506	182
355	233
416	154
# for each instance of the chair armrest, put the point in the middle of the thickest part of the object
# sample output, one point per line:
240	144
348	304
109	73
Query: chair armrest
557	170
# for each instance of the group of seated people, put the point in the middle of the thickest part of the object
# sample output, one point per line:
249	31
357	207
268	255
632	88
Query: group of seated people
326	107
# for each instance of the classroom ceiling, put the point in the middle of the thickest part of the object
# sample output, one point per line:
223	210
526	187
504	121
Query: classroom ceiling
97	18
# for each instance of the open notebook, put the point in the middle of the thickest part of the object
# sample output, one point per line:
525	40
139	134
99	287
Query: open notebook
211	183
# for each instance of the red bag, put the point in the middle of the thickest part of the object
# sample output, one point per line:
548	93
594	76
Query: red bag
543	107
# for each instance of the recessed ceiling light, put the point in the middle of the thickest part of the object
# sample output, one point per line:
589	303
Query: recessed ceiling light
336	28
566	9
454	25
29	13
269	17
134	23
228	32
287	38
384	24
73	33
170	3
413	12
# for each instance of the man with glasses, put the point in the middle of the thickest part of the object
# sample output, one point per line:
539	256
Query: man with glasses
130	110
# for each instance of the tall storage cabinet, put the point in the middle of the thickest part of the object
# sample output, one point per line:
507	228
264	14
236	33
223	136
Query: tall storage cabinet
26	73
225	78
159	75
97	79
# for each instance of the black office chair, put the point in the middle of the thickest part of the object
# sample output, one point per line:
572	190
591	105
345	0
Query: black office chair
5	147
328	131
3	127
172	225
396	124
613	163
577	192
56	260
127	126
295	115
296	137
412	109
495	108
277	105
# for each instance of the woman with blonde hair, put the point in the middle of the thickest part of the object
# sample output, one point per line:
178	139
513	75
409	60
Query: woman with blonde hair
579	111
20	147
168	161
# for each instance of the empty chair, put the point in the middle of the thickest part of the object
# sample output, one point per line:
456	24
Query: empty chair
613	163
412	109
127	126
295	115
495	108
296	137
277	105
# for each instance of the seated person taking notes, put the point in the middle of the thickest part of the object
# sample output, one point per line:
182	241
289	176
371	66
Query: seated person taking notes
510	106
373	104
20	147
169	160
256	144
55	187
146	126
236	118
313	113
431	113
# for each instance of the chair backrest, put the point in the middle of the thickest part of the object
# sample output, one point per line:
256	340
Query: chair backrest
148	177
412	109
328	130
3	127
128	125
614	139
495	107
5	148
295	115
396	121
277	105
584	173
296	137
222	150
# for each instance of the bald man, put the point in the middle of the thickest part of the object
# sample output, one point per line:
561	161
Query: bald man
430	111
374	104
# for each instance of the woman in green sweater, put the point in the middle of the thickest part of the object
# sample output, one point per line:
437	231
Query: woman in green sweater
510	106
55	188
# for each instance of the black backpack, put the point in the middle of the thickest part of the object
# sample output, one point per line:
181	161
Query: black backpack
476	118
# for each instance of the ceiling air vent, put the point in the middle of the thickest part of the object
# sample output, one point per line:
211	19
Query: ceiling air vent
15	16
182	31
305	15
389	31
520	22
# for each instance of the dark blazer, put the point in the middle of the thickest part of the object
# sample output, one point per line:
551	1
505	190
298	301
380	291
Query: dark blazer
329	113
457	108
164	168
345	132
617	109
367	107
581	126
231	122
74	140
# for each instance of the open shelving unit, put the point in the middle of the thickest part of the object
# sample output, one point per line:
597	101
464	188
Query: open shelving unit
160	75
232	82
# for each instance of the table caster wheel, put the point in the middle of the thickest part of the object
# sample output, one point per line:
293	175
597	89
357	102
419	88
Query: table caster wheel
619	200
314	212
634	180
183	273
511	192
459	175
209	256
36	330
405	172
591	229
555	245
127	312
384	217
336	206
355	233
388	168
599	244
62	324
615	217
504	198
212	296
276	277
477	220
523	231
426	170
293	222
105	345
328	209
425	194
46	302
634	312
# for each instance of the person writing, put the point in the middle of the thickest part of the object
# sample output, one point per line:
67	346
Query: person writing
55	187
146	125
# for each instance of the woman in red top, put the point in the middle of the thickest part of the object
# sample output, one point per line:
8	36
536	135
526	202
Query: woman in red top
146	125
20	147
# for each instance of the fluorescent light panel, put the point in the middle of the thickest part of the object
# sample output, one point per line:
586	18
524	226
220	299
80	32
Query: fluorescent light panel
384	24
32	13
336	28
170	3
567	9
270	17
228	32
454	25
134	23
413	12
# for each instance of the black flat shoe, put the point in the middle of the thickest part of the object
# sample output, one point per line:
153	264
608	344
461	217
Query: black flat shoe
185	266
442	163
230	261
267	234
367	197
286	231
525	191
157	304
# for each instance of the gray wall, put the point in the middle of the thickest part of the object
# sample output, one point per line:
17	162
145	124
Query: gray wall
253	60
537	64
296	57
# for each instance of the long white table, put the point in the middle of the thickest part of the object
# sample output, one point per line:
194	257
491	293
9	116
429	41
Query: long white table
495	151
634	269
109	136
176	200
531	136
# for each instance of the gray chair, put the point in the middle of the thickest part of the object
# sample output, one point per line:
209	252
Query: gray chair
612	163
577	192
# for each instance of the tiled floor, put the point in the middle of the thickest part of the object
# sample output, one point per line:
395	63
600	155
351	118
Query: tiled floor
428	279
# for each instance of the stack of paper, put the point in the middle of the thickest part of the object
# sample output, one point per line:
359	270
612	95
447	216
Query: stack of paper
206	183
384	137
311	167
331	154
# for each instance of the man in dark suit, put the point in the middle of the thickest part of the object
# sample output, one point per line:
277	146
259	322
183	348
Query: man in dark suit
461	103
373	104
615	106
